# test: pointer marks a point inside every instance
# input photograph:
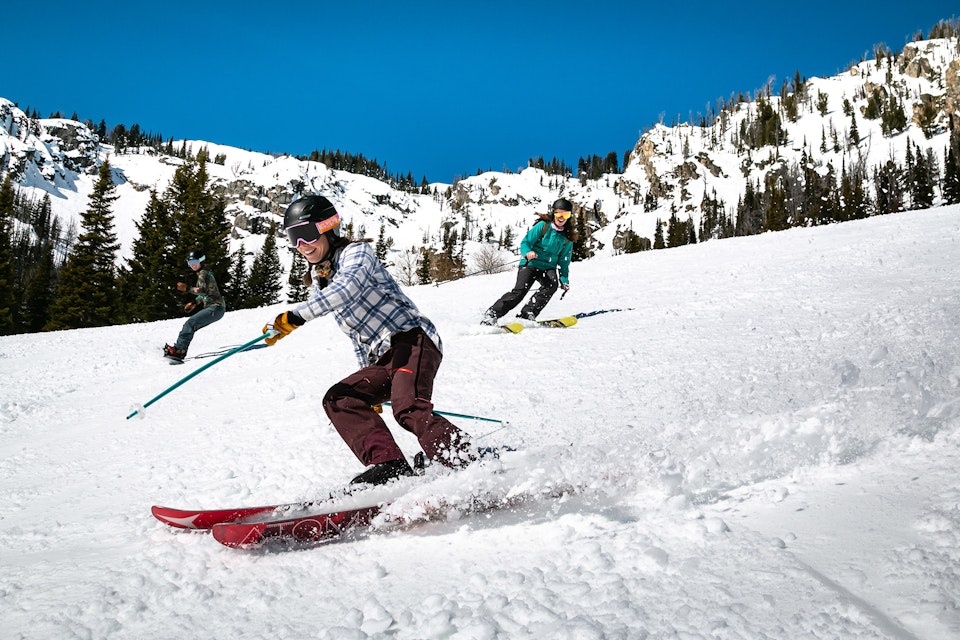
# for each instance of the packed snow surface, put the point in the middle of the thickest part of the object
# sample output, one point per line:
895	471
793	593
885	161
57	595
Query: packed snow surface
757	439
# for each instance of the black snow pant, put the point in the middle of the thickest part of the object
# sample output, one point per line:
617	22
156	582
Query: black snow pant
526	276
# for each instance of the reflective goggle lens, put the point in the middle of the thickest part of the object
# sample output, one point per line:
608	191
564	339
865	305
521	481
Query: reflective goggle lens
305	232
193	263
310	232
559	214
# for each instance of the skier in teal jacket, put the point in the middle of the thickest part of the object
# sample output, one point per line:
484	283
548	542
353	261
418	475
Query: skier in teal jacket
546	248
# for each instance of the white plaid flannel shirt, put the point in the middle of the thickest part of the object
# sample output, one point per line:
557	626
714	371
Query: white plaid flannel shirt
366	302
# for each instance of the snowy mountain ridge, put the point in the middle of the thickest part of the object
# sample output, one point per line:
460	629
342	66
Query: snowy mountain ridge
669	171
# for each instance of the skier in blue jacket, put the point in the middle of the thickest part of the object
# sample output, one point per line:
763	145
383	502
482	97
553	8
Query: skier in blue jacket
546	248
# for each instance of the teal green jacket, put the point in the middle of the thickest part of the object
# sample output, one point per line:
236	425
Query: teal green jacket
553	250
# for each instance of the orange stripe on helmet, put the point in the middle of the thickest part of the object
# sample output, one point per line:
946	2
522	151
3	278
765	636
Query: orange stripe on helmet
330	223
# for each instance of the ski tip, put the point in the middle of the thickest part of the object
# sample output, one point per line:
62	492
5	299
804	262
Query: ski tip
174	517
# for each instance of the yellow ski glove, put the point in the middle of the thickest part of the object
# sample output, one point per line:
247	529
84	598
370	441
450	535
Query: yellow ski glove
283	324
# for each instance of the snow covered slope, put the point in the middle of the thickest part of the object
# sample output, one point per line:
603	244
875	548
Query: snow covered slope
763	443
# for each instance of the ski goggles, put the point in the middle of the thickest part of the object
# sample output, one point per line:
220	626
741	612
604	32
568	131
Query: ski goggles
193	263
560	214
309	232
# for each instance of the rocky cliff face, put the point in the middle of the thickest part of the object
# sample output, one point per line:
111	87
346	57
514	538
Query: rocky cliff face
951	96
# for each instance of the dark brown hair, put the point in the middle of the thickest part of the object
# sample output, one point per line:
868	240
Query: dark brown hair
569	230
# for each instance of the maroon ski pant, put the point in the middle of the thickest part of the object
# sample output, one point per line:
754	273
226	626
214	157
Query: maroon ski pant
404	376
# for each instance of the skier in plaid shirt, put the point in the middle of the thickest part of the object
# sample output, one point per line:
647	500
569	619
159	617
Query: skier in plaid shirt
399	349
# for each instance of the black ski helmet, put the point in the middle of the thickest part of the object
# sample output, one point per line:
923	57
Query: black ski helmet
195	254
309	217
563	204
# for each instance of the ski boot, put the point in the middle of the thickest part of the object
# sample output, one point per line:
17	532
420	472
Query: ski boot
173	353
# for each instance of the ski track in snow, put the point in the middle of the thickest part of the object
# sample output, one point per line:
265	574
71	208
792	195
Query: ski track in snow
763	445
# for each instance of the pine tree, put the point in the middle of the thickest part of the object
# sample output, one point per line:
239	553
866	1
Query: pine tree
710	217
855	204
507	239
829	198
822	103
893	119
45	227
632	243
448	264
384	244
581	246
147	286
775	211
199	221
874	108
296	290
676	231
236	290
658	242
38	295
750	214
265	275
86	292
7	298
28	244
888	180
424	269
854	132
487	235
951	170
920	179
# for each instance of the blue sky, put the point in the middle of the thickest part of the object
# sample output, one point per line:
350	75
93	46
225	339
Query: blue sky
435	89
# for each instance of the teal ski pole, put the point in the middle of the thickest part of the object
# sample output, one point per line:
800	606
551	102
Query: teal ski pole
461	415
139	410
503	423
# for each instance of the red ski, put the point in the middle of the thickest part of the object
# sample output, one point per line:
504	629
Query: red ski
310	528
206	518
